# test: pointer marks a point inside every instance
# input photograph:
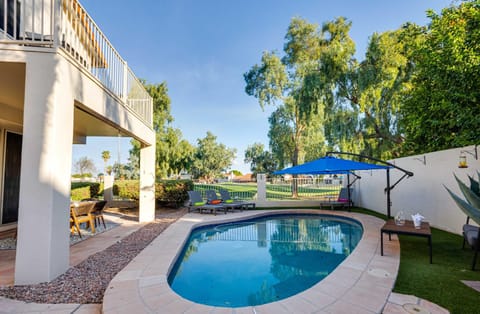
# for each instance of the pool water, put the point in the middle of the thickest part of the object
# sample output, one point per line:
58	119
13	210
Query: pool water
263	260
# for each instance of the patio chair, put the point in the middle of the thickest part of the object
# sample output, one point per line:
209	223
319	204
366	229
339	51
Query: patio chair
81	213
341	201
227	199
197	203
97	210
213	199
97	213
471	235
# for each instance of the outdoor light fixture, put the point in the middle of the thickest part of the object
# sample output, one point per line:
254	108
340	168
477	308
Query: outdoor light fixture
462	159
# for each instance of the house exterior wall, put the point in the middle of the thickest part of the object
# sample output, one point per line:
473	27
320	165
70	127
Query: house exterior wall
54	86
424	192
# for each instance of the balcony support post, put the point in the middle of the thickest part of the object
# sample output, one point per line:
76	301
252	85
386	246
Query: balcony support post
43	216
147	184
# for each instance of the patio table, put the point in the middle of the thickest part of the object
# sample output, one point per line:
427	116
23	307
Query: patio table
408	229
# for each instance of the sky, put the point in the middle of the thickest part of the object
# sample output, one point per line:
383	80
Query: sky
201	49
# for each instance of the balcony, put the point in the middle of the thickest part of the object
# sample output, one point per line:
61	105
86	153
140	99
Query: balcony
65	25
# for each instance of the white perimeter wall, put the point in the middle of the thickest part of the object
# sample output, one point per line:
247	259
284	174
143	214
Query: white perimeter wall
424	192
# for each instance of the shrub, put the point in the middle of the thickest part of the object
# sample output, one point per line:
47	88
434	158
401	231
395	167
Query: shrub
172	192
167	192
128	189
94	189
81	190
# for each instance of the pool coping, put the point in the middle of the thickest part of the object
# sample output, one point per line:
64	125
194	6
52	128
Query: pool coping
362	283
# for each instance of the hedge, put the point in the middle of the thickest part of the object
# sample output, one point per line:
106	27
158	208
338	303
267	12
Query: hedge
82	190
167	192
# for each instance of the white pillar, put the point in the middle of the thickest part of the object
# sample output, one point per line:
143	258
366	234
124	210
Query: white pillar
147	184
108	188
261	187
43	217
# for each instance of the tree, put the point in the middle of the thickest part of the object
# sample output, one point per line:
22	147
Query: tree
105	157
173	154
443	111
260	160
120	171
211	158
281	82
84	165
237	173
362	100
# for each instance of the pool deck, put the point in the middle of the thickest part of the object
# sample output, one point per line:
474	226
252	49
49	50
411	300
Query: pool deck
362	283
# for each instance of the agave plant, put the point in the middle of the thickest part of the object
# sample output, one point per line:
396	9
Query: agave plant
471	208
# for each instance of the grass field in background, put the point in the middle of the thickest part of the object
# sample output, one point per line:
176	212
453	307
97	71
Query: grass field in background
248	191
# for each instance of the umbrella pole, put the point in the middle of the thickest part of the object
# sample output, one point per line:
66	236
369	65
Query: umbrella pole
389	204
348	191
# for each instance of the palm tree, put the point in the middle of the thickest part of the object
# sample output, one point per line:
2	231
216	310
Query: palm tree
105	157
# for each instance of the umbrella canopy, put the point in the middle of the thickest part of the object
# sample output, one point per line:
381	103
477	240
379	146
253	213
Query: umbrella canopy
328	165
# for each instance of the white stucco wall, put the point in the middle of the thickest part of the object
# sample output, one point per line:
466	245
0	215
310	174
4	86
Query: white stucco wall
424	192
53	86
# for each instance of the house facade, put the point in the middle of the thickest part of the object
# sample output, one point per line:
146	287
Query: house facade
61	81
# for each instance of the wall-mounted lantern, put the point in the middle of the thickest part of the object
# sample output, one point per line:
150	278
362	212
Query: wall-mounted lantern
462	159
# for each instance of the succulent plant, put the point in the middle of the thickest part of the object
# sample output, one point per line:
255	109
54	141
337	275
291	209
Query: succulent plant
471	205
471	208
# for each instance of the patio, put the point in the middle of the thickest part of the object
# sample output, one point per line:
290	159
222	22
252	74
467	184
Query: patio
362	283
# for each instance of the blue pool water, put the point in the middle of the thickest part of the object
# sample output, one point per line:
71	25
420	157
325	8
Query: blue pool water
262	260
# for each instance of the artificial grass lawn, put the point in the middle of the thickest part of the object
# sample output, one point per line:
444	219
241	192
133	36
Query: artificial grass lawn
438	282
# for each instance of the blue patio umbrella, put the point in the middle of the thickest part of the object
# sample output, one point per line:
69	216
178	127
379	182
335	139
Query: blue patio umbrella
330	165
333	165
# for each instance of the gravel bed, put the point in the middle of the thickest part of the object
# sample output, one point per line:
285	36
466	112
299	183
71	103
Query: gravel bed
86	282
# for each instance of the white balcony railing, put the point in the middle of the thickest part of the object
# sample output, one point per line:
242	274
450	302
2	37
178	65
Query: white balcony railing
66	24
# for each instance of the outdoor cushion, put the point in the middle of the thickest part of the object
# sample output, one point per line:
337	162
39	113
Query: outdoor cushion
229	201
214	202
471	234
198	203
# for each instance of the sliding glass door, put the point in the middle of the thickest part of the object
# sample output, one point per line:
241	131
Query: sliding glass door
11	177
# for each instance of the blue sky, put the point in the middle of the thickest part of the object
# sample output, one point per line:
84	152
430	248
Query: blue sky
203	48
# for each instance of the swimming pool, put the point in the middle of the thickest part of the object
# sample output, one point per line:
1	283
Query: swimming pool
262	260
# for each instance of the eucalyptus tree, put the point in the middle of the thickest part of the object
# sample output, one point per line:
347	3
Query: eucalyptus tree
281	82
443	109
210	158
260	159
363	99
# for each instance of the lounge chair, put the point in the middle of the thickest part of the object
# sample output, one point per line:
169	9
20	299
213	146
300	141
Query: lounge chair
213	199
342	200
471	235
197	203
227	199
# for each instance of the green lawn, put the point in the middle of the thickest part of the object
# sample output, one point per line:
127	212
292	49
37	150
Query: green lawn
438	282
248	190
